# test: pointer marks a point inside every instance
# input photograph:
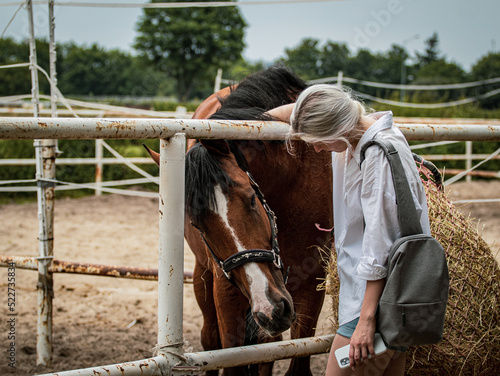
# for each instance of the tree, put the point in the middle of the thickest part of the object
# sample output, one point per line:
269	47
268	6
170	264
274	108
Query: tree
185	43
304	60
487	67
439	72
334	58
94	70
431	52
91	70
15	81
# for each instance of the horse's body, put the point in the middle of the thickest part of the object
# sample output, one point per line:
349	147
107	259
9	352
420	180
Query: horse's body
298	189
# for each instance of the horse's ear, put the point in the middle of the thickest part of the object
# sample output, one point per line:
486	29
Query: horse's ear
153	154
216	146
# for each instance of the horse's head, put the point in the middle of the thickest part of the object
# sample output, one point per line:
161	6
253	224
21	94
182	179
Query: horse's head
226	206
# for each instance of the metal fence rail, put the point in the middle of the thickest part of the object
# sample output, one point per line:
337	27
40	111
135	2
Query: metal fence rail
173	133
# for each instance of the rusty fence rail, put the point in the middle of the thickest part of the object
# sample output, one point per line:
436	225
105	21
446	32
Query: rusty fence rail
72	267
172	134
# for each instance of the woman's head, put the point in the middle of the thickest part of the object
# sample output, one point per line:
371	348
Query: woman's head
326	113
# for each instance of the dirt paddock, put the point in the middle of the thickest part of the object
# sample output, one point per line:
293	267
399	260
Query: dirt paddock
102	320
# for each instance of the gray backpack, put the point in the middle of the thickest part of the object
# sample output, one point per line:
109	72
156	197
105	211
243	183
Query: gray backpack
412	307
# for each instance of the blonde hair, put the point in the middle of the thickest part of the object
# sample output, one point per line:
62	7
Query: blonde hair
326	113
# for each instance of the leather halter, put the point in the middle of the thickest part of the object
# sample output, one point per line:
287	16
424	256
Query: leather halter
252	255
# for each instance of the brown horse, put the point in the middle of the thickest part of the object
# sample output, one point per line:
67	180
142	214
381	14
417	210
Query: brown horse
297	187
233	233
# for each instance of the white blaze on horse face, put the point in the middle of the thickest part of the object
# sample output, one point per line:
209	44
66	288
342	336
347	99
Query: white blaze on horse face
257	280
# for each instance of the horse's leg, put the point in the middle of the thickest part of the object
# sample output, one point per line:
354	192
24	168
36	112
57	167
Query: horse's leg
308	301
305	326
232	307
203	280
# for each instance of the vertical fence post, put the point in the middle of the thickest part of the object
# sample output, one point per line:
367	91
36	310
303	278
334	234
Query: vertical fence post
340	77
171	247
468	159
52	60
98	166
218	80
45	169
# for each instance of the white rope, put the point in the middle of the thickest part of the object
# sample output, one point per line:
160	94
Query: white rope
12	19
59	95
127	110
70	186
130	165
17	181
113	183
68	102
199	4
407	87
15	65
429	105
439	143
462	174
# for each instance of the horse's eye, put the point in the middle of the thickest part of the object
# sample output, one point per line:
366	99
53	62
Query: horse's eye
252	201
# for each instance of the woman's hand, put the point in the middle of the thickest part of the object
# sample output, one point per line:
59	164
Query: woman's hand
362	342
362	338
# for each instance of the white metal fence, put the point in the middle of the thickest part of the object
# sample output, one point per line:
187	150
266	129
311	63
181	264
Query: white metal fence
173	133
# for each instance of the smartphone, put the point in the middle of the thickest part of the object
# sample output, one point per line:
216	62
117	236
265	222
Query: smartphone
342	354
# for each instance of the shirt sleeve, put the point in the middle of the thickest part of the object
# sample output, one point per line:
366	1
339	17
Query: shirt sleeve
378	201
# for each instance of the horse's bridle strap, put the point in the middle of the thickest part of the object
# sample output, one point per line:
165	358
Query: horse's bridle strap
252	255
249	255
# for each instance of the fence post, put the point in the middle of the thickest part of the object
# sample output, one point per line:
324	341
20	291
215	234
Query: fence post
98	166
218	80
45	169
171	248
340	77
468	160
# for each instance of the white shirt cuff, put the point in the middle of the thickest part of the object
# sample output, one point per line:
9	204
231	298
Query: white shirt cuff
369	269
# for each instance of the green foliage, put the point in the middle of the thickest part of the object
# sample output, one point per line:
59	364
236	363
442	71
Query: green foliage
311	60
17	81
431	53
189	44
487	67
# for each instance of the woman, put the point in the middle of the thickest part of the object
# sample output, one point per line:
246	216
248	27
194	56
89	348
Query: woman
365	213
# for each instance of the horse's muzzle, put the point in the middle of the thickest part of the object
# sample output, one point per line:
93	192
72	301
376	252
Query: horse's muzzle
282	317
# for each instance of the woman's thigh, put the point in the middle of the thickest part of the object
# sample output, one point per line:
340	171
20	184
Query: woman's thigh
389	361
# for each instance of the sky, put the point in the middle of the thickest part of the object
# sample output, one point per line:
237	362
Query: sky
467	29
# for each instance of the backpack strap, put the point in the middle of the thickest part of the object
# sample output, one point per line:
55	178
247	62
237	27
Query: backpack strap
409	223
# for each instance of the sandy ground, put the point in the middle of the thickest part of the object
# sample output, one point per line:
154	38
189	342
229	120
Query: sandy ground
102	320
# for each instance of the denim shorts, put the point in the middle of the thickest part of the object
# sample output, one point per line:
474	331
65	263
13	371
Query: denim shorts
347	331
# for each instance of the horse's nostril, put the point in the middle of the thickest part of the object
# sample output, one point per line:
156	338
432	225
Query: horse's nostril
287	309
261	319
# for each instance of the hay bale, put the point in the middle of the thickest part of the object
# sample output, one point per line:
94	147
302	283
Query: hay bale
471	338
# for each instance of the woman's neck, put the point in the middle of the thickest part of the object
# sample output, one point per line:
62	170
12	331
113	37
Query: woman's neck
364	123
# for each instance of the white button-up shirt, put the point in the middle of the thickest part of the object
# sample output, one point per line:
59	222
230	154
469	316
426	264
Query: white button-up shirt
365	212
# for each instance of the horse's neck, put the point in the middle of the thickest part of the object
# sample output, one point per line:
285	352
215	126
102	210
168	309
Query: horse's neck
276	170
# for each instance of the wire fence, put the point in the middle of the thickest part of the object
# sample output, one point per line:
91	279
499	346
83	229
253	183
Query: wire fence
341	80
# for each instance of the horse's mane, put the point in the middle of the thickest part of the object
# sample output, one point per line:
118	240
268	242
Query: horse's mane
253	96
259	93
203	173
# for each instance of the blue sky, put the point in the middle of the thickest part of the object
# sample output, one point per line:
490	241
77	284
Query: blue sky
467	29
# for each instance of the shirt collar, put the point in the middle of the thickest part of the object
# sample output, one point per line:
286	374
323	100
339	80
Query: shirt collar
384	121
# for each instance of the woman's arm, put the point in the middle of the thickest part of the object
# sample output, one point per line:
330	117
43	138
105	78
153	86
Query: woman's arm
362	338
282	113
